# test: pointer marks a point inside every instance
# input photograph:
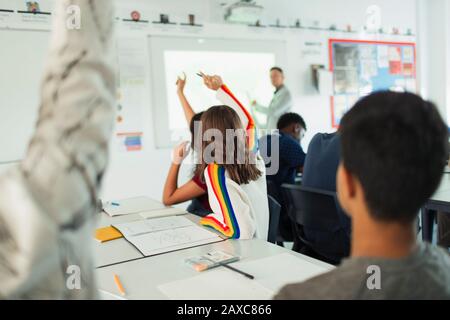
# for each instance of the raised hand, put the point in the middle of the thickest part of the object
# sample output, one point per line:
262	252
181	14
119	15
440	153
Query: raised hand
180	152
181	83
212	82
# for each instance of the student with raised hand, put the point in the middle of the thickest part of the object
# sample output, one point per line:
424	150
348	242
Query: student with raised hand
47	203
394	149
195	190
232	168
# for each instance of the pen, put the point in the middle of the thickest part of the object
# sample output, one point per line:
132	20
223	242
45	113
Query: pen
119	285
238	271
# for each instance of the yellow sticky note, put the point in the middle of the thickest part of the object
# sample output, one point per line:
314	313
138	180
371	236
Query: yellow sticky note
107	234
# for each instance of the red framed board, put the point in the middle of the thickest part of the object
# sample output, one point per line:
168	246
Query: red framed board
362	67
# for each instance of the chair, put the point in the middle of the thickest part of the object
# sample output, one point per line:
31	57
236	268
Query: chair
318	212
285	228
274	219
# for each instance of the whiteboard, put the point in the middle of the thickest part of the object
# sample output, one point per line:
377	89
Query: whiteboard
22	58
243	64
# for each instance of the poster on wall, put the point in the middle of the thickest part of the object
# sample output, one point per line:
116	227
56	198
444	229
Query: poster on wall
363	67
132	89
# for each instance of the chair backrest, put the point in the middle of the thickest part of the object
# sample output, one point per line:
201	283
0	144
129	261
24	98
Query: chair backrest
288	200
315	209
273	190
274	219
318	210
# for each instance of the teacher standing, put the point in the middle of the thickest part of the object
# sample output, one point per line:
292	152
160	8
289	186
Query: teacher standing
281	102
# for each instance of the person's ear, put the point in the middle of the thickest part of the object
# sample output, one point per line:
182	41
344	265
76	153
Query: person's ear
346	189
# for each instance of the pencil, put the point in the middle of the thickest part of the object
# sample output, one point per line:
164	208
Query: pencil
119	285
238	271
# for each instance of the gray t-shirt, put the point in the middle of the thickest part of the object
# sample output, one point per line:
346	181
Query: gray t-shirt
424	275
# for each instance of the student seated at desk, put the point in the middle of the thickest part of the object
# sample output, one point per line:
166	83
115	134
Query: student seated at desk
322	161
195	189
232	171
394	148
232	168
291	130
290	157
319	172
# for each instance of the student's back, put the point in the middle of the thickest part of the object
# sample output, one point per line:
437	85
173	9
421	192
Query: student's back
321	164
423	275
233	170
322	161
394	147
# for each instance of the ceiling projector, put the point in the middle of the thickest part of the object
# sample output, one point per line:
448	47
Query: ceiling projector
244	11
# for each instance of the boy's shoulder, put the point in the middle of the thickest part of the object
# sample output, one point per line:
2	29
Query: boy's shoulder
338	284
424	275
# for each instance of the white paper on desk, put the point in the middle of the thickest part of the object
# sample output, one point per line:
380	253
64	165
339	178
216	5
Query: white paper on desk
133	205
277	271
216	284
140	227
172	239
162	213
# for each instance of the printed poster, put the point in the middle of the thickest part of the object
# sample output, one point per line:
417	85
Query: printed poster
131	94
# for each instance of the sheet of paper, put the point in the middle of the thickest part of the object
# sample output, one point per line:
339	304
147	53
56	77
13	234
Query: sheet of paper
383	57
217	284
277	271
132	205
162	213
173	239
145	226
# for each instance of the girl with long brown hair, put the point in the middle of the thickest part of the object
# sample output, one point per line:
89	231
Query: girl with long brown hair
229	167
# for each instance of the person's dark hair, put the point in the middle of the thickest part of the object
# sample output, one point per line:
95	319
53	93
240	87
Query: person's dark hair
396	145
197	117
290	118
277	69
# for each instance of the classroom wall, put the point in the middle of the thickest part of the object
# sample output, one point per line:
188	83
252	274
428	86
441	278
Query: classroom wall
434	40
143	173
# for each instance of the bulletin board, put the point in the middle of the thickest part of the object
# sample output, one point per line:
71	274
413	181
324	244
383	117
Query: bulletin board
362	67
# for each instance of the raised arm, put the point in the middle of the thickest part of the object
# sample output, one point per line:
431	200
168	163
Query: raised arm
46	204
187	108
225	96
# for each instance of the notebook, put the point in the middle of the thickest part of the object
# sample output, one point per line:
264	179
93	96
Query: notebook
161	235
107	234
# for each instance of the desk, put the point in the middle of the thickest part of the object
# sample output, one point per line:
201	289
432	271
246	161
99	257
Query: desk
440	201
142	277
